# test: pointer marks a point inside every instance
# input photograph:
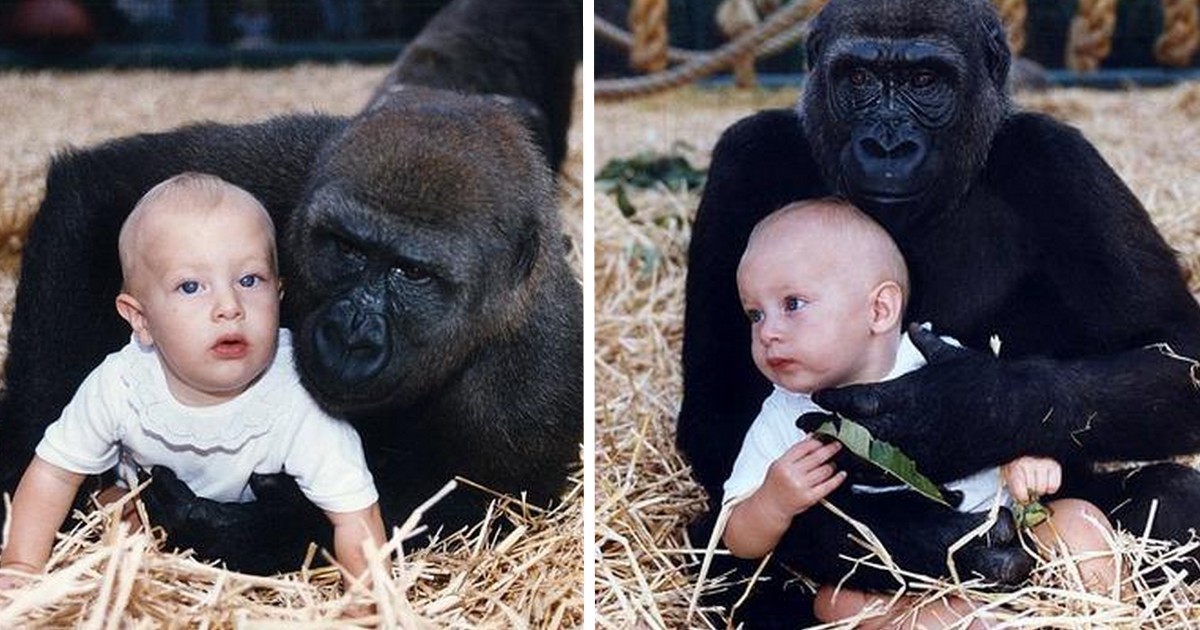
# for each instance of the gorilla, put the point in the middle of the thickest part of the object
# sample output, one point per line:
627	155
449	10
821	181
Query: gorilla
426	277
536	66
1012	225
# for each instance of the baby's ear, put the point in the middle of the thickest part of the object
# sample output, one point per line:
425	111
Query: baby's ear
887	306
131	311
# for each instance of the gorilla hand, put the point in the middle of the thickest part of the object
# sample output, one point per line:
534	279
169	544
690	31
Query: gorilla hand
997	556
232	532
858	470
933	414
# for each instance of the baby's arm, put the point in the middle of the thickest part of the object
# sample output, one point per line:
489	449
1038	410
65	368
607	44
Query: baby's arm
41	503
350	529
798	480
1029	477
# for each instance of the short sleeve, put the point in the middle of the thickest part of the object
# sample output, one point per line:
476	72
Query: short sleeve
770	436
326	458
84	439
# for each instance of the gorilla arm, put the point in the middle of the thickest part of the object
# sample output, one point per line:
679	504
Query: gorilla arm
1085	382
759	164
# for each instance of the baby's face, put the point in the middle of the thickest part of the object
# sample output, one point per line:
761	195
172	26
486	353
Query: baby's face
210	298
809	312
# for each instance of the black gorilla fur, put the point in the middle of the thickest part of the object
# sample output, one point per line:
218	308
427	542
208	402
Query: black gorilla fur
423	233
534	62
1012	224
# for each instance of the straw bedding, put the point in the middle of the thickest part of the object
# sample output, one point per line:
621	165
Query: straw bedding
525	576
644	495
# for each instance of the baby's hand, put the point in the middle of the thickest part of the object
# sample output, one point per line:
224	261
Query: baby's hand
1028	478
802	476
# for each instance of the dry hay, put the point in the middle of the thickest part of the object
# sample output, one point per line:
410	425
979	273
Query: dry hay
525	576
644	494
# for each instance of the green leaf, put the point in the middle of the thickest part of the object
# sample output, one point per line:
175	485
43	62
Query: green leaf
892	460
1030	514
648	169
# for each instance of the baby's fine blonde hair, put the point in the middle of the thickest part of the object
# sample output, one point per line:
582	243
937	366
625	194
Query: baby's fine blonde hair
192	193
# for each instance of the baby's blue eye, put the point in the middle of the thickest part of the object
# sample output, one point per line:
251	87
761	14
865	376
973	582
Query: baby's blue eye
754	315
793	303
188	287
249	280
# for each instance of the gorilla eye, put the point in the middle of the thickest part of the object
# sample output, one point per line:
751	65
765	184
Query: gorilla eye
922	79
754	315
859	76
347	251
412	272
188	287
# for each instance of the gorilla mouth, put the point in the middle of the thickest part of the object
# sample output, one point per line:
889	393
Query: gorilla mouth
888	198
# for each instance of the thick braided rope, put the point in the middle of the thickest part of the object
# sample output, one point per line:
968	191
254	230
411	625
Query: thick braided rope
791	15
1181	33
735	17
1013	13
773	46
1090	39
648	22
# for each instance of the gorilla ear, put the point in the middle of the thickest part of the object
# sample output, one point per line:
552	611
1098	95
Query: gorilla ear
814	43
995	50
527	252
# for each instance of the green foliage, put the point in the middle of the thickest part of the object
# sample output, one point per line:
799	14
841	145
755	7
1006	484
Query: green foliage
1030	514
646	170
892	460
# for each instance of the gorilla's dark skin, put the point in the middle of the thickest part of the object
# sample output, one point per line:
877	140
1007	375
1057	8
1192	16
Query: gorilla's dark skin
426	284
1012	225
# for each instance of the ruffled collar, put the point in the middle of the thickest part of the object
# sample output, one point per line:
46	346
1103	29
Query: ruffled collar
227	426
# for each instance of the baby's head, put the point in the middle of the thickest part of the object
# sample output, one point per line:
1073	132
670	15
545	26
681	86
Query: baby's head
201	285
824	288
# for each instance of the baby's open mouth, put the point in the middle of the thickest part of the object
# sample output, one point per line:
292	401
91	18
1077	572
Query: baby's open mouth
231	347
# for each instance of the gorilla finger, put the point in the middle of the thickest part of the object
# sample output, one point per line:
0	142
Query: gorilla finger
853	401
276	488
168	487
1004	531
953	497
1007	566
811	421
931	346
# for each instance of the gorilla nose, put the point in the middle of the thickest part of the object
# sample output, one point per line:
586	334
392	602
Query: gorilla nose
351	346
889	150
888	161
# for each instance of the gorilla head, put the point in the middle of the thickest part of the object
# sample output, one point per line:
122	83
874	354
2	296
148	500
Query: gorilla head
887	95
422	237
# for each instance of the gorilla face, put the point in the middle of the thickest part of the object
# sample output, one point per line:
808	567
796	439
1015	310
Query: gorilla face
901	108
419	241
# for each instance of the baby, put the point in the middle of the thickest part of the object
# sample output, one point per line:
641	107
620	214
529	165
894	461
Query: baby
206	386
824	288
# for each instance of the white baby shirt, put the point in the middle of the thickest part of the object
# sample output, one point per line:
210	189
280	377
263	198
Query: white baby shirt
123	412
774	431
